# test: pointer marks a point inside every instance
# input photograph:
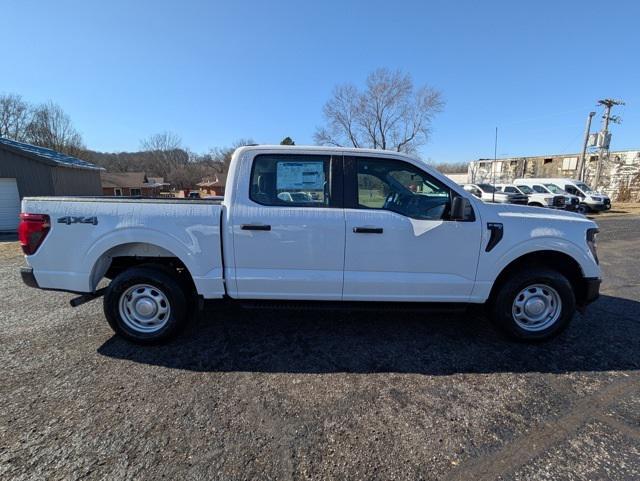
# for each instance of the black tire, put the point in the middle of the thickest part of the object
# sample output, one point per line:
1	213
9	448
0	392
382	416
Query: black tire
163	290
536	204
583	209
503	309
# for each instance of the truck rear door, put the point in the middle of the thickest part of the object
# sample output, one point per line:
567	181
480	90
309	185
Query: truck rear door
289	231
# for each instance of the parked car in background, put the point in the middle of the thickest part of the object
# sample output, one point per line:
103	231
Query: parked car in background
534	199
383	227
590	200
572	202
489	193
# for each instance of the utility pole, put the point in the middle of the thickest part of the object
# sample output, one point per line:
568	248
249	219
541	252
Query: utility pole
493	167
587	131
603	138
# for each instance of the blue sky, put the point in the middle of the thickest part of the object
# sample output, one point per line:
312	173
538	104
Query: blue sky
213	72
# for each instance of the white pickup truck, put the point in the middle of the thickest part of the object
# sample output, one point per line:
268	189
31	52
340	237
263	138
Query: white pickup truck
535	199
373	226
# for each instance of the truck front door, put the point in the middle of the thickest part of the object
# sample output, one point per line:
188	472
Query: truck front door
289	231
400	243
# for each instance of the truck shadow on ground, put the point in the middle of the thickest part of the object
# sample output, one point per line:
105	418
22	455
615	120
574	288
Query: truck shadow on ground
606	338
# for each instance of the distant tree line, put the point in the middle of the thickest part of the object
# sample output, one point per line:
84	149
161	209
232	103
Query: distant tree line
163	155
452	167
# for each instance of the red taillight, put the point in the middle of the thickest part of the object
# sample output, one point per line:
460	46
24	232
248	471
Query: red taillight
32	230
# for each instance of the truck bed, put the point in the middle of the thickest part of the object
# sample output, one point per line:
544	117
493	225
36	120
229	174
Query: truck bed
129	199
86	233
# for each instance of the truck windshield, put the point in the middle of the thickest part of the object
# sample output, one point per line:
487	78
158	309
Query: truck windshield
584	187
525	189
487	188
554	188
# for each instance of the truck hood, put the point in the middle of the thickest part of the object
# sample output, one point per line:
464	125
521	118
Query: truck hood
506	211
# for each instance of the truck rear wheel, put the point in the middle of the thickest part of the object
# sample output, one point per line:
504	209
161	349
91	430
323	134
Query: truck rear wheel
145	305
534	304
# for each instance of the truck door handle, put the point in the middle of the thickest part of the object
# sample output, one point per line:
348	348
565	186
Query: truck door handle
367	230
255	227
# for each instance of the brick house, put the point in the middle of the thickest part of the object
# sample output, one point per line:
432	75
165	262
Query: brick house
214	185
131	184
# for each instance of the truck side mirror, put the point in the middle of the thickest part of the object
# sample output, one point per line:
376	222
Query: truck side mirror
458	208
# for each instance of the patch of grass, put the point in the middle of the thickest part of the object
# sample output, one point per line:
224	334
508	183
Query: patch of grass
371	198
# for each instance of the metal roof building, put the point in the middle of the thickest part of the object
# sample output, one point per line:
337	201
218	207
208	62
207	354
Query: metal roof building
29	170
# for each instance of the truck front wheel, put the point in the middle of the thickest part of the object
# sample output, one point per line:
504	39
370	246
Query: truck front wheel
534	304
145	305
583	209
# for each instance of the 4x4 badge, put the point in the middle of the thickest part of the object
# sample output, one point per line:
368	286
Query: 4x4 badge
78	220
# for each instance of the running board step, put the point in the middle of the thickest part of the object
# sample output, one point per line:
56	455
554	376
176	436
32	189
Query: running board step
353	305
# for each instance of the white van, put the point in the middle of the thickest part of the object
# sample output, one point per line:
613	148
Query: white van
594	201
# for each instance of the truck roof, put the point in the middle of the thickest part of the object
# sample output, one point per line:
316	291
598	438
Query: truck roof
323	148
546	179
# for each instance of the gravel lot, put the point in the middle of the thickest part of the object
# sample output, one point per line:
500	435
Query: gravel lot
322	395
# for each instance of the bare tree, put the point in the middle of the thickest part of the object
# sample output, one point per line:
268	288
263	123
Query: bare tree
389	114
165	153
222	155
51	127
162	142
14	117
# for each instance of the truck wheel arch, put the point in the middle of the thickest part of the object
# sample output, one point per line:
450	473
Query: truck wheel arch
555	260
134	254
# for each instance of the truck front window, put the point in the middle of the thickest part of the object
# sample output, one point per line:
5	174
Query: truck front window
584	188
400	187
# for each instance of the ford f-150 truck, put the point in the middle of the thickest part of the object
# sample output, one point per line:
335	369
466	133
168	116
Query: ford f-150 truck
368	226
534	198
490	193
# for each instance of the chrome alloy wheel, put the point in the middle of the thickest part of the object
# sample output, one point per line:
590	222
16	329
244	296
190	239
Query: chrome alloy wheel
144	308
536	307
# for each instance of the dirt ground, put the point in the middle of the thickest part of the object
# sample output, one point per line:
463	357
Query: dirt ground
261	394
619	208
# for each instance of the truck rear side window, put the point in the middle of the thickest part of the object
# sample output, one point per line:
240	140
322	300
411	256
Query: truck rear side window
291	180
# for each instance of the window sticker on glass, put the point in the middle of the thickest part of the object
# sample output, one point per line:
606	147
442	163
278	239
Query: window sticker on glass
300	175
